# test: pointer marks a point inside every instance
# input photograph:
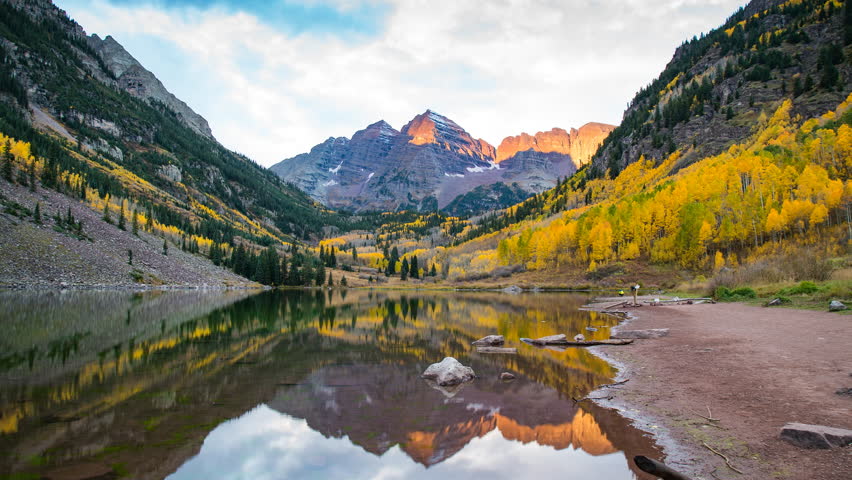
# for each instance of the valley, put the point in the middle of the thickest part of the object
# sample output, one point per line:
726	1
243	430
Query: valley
176	309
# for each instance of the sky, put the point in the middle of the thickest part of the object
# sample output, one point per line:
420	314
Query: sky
276	77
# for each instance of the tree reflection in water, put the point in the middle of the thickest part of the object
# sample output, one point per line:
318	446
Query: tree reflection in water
318	371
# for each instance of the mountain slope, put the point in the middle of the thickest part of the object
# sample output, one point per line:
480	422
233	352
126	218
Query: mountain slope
717	85
773	206
433	163
85	119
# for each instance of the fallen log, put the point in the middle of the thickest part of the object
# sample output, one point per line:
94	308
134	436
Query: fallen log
496	350
658	469
569	343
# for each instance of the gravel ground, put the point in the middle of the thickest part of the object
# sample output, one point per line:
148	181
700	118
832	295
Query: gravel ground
755	368
34	255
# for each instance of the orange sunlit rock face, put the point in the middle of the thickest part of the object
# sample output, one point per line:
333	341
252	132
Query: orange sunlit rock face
432	128
582	432
579	144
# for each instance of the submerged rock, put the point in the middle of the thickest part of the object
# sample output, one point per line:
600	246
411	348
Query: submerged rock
579	337
836	306
507	376
448	371
650	333
816	436
514	290
490	341
550	339
774	302
591	329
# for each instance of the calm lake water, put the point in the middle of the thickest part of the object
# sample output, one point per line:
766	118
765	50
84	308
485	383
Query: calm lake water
301	384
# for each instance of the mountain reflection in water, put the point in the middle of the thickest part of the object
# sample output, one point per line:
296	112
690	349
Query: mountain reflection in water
302	385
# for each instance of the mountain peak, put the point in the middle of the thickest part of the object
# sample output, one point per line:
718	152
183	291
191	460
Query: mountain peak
136	80
376	130
431	127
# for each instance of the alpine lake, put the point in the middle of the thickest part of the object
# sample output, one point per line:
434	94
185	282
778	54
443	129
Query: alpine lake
301	385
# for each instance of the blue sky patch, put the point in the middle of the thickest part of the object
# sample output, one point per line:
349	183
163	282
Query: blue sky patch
289	16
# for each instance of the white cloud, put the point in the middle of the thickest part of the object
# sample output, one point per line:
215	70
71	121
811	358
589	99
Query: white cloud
496	68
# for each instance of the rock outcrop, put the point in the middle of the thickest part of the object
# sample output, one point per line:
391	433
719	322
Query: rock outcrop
136	80
816	436
579	144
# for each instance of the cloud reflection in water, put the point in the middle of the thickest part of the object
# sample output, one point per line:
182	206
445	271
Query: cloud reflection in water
265	444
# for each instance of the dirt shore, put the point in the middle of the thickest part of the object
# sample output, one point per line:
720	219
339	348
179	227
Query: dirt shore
755	368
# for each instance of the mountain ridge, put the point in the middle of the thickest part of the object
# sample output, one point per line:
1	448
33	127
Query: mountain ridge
432	161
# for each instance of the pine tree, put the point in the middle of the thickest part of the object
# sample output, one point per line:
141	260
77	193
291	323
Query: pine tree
106	210
414	269
343	282
847	22
433	272
8	158
809	83
149	222
330	280
165	247
37	213
403	272
129	257
121	221
32	176
354	254
135	222
319	275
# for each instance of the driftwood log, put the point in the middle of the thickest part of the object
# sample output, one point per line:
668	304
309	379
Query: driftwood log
658	469
571	343
496	350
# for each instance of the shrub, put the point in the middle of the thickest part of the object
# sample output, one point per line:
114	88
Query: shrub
727	295
803	288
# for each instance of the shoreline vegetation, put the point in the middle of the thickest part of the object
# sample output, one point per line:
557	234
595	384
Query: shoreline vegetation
806	294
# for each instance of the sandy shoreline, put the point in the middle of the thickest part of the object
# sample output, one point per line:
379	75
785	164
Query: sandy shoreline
755	368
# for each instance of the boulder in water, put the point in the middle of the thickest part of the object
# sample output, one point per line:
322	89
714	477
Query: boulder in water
514	290
448	371
490	341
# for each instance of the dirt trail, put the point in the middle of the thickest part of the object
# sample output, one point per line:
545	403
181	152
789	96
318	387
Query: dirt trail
756	369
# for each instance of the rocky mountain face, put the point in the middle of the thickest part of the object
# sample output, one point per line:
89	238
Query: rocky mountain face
87	107
136	80
580	144
717	86
433	161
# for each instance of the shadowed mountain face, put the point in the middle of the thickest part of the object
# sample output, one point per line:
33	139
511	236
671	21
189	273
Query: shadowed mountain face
301	385
431	162
140	82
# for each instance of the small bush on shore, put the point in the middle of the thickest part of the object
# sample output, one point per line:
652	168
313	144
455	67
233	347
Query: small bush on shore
803	288
727	295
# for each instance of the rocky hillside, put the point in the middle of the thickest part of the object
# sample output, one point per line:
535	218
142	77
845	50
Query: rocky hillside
133	78
717	86
80	117
433	163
